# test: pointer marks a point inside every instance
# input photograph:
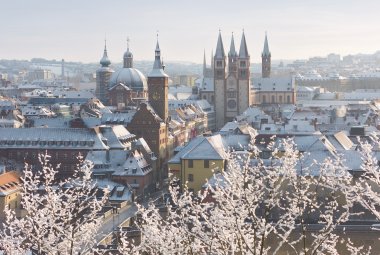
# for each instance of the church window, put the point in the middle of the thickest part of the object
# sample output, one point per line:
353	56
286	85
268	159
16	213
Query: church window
219	63
243	64
243	74
231	94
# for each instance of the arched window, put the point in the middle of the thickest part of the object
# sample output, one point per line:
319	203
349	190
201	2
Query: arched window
264	99
273	99
280	99
288	99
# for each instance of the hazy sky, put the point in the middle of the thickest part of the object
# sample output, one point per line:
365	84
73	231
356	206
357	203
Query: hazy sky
75	29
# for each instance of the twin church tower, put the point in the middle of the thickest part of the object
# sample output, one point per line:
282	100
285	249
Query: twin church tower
232	79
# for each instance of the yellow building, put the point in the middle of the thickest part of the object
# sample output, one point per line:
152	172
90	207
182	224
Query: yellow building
10	193
197	160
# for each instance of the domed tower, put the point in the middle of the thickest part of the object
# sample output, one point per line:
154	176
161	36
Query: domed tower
266	59
130	77
128	57
103	76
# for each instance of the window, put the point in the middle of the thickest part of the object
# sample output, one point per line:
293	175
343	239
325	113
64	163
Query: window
273	99
243	64
219	63
288	99
206	163
231	94
280	99
190	163
243	74
190	177
264	99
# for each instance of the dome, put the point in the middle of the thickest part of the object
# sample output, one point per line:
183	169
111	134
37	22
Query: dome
105	61
131	77
128	54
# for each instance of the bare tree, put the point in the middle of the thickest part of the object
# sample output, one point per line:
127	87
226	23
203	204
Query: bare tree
255	206
61	216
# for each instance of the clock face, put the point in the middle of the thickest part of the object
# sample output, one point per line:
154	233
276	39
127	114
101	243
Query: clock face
231	104
156	95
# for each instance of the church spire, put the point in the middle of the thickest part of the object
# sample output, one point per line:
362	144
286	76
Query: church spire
158	70
219	53
232	52
266	51
266	59
243	51
105	61
204	62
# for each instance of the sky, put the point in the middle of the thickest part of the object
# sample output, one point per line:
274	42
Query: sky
75	29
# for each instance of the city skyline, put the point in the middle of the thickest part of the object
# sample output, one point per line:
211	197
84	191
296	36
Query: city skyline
76	30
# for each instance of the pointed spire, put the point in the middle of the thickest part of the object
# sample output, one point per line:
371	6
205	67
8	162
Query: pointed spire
232	47
158	66
212	59
157	61
219	53
243	51
105	61
266	51
204	59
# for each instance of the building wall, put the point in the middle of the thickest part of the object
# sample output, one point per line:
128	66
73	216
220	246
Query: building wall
13	201
66	158
219	103
280	97
102	82
199	171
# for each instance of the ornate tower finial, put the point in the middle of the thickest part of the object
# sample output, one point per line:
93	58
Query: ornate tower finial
104	61
128	56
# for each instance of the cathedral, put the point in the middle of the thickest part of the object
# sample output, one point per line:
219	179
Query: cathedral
231	81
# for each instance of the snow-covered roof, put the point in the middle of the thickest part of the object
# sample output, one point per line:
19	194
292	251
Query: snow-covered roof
274	84
211	147
207	84
134	165
117	136
10	182
44	138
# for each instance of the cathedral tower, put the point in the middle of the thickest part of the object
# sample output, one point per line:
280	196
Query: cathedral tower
232	89
219	82
158	86
103	76
266	59
244	76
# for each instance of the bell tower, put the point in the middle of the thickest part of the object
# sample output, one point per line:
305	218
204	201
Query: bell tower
158	86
